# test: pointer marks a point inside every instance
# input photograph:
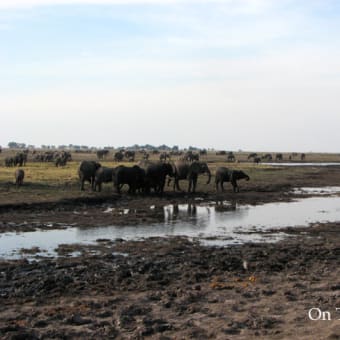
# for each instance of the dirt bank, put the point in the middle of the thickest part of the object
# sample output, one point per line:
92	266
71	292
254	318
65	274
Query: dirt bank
166	288
174	288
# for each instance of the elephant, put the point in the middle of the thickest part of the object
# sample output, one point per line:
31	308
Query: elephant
189	171
19	177
101	154
224	174
133	176
118	156
164	156
130	155
62	158
87	171
252	155
9	161
20	159
231	157
257	160
267	157
155	175
191	157
303	156
102	175
279	157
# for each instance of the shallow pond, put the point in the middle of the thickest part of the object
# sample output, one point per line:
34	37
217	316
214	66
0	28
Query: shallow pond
302	164
217	223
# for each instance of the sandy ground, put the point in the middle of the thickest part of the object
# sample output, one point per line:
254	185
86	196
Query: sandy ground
171	288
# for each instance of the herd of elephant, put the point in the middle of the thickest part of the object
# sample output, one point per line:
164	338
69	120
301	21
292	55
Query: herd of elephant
148	175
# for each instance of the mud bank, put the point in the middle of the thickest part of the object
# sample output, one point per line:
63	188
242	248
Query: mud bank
175	288
90	211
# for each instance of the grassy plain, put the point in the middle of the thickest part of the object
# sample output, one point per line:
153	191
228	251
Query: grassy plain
46	182
169	288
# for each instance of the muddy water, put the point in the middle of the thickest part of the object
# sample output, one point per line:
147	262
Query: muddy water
303	164
217	223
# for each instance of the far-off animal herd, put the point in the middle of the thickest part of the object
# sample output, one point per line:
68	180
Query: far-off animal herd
146	176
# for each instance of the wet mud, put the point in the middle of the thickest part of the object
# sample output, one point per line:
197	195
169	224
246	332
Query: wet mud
174	287
165	288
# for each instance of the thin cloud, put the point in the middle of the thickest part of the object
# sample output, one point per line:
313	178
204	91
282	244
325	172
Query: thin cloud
250	6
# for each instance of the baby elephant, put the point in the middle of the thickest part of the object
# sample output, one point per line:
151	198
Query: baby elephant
226	175
19	177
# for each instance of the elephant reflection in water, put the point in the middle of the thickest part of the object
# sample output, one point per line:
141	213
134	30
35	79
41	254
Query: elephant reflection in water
177	213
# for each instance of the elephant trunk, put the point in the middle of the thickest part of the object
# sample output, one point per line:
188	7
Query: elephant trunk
209	176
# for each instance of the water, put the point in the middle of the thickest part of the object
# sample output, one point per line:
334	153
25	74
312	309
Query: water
316	191
221	223
304	164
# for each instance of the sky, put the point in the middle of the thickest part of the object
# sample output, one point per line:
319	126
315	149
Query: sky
261	75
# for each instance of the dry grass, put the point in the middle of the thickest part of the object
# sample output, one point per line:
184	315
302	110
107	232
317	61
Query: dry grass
45	182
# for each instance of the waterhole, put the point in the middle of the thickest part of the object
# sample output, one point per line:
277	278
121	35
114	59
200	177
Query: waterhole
217	223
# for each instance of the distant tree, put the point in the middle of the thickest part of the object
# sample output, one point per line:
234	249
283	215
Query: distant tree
12	145
15	145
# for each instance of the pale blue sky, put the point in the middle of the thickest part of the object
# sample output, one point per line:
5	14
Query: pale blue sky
232	74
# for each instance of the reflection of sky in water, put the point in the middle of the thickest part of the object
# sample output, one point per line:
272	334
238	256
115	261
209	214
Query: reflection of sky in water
223	221
302	164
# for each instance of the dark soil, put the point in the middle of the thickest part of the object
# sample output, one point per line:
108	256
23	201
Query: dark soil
170	288
173	288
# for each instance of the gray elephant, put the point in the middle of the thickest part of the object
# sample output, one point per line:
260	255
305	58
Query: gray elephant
118	156
133	176
9	161
102	175
257	160
224	174
279	157
87	171
189	171
155	175
101	154
19	177
20	159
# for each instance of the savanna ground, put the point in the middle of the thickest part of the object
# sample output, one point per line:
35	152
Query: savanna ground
167	288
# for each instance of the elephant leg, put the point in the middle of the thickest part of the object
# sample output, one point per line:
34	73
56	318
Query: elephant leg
92	184
117	187
235	187
169	181
177	185
99	187
82	184
162	185
194	183
190	185
216	184
222	187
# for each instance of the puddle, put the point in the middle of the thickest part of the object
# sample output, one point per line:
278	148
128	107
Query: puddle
216	223
317	191
303	164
